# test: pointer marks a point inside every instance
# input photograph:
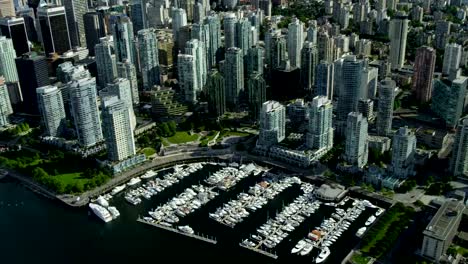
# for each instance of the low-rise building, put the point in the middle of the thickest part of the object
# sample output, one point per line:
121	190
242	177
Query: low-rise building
381	144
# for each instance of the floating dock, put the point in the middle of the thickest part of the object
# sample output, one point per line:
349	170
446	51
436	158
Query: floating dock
172	229
265	253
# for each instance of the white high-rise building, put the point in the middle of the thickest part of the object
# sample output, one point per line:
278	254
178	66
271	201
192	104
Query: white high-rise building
196	48
356	147
452	58
51	108
295	42
179	19
7	60
121	88
229	26
117	128
105	62
351	83
459	160
272	123
5	104
403	151
149	60
234	75
320	135
127	70
397	33
188	82
85	112
385	106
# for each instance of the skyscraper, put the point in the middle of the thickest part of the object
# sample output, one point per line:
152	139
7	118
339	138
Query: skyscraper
234	76
15	29
52	110
85	112
295	41
254	61
325	46
269	34
75	9
309	61
242	35
127	70
403	151
214	38
54	29
94	29
7	8
452	57
188	82
272	123
216	93
324	79
320	130
121	88
7	60
385	107
196	48
449	98
5	104
442	32
423	73
149	61
459	160
278	51
356	146
122	30
138	14
256	88
32	73
117	129
229	26
397	33
351	81
179	19
105	62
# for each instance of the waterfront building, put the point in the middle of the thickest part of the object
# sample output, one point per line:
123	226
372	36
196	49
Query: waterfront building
122	31
324	79
216	93
448	100
85	112
403	152
117	128
148	54
356	144
32	73
256	88
452	57
459	160
272	123
385	107
309	61
229	27
7	60
15	29
53	27
442	229
5	104
188	82
121	88
320	130
127	70
424	66
105	62
398	33
295	42
51	108
234	76
75	9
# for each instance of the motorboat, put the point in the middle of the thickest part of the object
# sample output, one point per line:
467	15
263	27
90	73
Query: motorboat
307	249
361	231
134	181
370	220
186	229
118	189
114	212
100	212
379	212
323	255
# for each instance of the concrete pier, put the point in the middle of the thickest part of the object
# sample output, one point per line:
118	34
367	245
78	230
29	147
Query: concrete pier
257	250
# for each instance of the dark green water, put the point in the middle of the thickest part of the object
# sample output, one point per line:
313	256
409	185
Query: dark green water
34	229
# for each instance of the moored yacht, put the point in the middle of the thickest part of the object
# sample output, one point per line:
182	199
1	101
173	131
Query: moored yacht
370	220
134	181
118	189
101	212
307	249
361	231
323	255
102	201
114	212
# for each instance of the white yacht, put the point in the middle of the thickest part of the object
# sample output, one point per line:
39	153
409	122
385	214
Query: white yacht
361	231
148	174
134	181
307	249
298	247
379	212
323	255
118	189
186	229
370	220
114	212
101	212
102	202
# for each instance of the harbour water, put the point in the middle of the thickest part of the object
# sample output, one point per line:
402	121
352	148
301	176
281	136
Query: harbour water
36	229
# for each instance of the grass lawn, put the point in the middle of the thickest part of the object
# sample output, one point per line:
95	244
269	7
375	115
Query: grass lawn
148	151
359	259
381	233
71	178
182	137
462	251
